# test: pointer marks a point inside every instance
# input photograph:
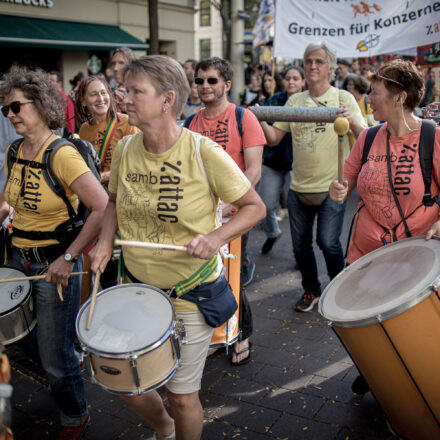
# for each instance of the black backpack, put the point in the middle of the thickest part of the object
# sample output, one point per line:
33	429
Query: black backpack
68	230
426	148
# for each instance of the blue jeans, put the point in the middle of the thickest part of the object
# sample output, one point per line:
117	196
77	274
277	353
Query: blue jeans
272	183
55	336
330	218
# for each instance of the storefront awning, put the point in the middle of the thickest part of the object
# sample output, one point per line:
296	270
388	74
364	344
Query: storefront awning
58	34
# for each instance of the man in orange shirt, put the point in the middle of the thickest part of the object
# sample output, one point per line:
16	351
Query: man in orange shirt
241	136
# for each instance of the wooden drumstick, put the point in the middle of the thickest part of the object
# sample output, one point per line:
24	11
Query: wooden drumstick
93	300
341	126
33	277
148	245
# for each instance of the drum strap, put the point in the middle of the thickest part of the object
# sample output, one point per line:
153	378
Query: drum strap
199	277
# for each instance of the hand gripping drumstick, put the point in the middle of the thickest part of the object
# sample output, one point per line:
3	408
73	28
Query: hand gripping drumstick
93	300
168	247
341	127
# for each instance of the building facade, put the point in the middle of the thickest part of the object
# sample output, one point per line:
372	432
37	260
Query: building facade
78	36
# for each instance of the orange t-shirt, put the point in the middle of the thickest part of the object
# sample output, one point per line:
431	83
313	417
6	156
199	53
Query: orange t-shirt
223	130
380	212
95	134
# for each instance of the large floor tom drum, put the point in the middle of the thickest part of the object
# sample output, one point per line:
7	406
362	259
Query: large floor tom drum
385	308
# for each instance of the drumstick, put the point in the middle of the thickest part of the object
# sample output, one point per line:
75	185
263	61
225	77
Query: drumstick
33	277
168	247
93	300
341	126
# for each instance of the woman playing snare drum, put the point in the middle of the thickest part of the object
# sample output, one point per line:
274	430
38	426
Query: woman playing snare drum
32	104
396	90
160	193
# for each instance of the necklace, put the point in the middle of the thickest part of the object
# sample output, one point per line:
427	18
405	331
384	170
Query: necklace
23	176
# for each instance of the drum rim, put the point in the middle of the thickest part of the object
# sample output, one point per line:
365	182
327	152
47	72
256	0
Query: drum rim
25	299
395	311
132	354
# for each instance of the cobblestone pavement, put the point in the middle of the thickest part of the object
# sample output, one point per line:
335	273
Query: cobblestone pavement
297	385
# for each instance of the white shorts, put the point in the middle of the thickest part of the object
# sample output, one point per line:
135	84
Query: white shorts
188	377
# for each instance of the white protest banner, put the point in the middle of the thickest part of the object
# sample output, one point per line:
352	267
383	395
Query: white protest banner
355	28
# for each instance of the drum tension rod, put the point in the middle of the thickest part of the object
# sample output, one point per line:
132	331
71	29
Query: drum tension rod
133	365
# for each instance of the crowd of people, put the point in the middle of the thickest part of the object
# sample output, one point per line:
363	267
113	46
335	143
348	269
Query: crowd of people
132	123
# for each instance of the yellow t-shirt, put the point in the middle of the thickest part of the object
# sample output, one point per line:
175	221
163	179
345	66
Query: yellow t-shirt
315	144
38	208
95	134
165	198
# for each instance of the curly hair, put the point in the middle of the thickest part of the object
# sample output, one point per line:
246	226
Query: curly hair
82	113
36	86
398	76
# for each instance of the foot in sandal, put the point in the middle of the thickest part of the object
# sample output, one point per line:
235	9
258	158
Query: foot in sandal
241	353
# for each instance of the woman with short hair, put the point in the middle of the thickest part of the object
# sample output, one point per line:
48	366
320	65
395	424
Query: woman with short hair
186	174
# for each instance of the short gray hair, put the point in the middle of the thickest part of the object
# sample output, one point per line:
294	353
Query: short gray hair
165	74
331	55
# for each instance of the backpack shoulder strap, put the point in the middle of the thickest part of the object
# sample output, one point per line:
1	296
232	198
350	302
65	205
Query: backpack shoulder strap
12	153
51	178
426	148
188	120
369	139
239	113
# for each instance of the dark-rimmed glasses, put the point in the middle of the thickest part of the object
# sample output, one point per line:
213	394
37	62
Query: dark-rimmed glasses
14	106
212	81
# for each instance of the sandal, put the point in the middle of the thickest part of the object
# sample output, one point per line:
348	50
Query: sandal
243	361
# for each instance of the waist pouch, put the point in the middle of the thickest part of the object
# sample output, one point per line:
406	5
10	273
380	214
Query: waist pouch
312	199
215	301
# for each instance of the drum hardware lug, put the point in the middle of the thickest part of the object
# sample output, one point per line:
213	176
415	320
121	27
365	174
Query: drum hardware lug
175	340
181	332
379	318
88	365
330	323
133	365
436	284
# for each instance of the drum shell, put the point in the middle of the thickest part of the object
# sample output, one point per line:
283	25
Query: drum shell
400	359
229	332
153	368
15	324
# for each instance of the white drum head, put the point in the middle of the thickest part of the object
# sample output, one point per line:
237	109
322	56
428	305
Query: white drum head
127	318
13	293
383	283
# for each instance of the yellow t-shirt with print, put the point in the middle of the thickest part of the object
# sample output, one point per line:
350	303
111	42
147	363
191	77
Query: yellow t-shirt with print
315	144
165	198
36	206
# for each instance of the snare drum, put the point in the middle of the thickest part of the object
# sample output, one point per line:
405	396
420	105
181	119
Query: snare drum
229	332
132	345
17	315
385	308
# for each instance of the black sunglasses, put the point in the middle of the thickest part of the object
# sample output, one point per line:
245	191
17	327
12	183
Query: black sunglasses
212	80
14	106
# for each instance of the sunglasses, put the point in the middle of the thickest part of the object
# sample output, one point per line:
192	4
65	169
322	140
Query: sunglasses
14	106
212	80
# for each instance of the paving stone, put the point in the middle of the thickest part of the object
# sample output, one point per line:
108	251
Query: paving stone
244	415
289	379
276	358
331	389
240	388
293	402
293	427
